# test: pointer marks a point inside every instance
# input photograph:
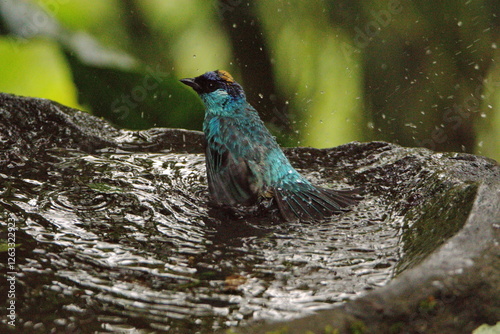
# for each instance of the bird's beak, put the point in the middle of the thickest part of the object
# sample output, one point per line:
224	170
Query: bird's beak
191	83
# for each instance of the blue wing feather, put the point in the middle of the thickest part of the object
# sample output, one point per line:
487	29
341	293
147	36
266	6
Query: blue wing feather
232	176
241	171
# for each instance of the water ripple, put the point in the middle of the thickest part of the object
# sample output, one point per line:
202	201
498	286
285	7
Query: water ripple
128	243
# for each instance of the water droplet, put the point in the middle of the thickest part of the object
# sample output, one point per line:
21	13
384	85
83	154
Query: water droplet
235	25
194	56
371	125
459	23
261	95
494	45
411	125
483	115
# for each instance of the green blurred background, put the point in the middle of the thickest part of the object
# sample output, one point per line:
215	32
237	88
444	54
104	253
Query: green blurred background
321	73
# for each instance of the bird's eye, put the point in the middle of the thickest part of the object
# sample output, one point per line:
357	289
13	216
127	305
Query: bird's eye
210	86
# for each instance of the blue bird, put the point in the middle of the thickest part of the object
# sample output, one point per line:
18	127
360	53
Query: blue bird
245	164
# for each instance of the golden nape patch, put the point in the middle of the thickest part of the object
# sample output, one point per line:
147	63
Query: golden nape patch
224	75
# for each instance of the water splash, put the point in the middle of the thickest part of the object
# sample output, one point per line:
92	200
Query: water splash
127	241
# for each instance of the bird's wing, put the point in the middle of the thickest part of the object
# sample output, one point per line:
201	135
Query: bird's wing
232	176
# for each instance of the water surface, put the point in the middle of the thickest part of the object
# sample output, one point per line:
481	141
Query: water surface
117	241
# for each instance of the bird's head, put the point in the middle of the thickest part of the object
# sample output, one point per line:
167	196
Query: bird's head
216	87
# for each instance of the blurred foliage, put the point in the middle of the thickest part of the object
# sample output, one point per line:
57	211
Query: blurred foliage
49	74
136	99
321	73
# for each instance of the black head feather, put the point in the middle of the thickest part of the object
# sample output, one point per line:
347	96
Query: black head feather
214	80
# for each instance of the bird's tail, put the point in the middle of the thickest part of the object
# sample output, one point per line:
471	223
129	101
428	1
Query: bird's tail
314	203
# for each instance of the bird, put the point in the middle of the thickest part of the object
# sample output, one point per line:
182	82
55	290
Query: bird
245	165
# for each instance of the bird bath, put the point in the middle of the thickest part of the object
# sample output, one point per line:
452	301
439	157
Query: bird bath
114	232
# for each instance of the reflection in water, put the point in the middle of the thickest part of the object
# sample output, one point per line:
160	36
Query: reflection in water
125	240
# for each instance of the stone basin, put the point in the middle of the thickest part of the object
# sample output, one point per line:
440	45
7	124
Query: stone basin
114	233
